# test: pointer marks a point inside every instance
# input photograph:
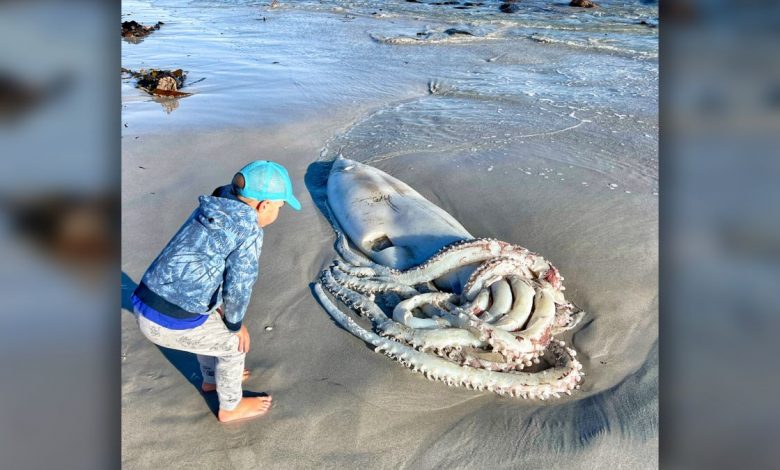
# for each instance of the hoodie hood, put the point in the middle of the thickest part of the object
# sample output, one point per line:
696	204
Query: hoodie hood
227	215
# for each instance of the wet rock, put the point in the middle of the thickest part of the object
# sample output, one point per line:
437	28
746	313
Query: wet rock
167	84
648	24
582	4
133	29
454	31
509	7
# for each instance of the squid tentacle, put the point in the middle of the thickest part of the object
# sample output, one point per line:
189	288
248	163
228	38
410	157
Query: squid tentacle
563	377
502	322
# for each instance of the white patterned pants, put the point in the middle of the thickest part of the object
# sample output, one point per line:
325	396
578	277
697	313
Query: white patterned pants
217	351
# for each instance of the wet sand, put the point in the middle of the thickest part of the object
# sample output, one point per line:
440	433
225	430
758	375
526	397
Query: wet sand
338	404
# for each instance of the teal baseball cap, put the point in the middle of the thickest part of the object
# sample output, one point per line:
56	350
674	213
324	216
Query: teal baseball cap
267	180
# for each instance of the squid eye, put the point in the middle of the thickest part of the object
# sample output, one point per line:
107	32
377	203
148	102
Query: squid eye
379	244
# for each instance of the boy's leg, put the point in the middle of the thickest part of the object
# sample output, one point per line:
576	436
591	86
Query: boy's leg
212	338
229	374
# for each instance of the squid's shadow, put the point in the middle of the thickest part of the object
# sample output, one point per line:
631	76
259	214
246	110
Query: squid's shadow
316	180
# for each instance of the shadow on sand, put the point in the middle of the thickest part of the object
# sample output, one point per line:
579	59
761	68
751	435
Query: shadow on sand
186	363
316	180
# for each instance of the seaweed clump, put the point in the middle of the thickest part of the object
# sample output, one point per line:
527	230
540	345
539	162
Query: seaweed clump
159	82
134	29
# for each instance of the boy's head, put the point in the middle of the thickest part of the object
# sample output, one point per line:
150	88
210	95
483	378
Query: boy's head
266	186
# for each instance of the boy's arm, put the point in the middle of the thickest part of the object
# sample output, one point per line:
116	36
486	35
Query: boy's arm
241	269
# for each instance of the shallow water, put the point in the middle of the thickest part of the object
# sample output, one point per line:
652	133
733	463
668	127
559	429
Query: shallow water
503	90
614	27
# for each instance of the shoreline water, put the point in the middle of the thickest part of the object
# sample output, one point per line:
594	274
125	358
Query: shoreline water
330	93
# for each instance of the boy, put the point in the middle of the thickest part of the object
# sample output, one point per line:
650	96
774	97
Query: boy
194	295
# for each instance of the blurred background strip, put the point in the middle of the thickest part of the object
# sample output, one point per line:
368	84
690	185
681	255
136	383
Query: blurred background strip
59	279
720	220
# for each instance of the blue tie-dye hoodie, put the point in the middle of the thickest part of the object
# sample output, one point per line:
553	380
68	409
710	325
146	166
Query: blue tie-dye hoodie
212	260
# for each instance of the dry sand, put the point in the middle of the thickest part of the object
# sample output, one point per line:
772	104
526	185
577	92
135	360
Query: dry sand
339	405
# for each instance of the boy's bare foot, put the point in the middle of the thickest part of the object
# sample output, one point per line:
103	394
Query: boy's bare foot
207	387
248	407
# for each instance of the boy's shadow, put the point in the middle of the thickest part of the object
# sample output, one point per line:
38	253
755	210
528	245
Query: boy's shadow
186	363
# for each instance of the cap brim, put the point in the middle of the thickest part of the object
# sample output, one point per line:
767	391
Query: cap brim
293	202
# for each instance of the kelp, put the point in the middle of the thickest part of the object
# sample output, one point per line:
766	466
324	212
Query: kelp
133	29
159	82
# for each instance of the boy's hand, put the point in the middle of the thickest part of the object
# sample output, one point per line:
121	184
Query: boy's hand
243	339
